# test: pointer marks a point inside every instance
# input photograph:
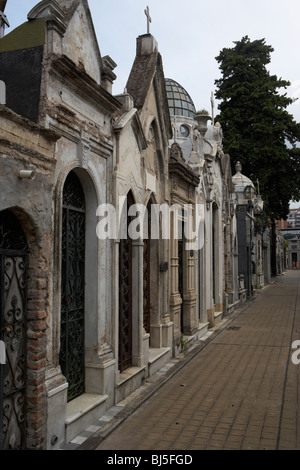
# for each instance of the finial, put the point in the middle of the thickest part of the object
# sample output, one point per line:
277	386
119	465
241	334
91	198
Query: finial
149	20
212	108
175	130
238	167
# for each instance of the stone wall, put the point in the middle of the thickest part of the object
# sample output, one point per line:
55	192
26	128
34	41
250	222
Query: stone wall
26	146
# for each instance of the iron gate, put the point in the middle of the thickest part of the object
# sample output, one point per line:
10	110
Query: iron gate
180	267
147	274
13	270
73	286
125	298
180	280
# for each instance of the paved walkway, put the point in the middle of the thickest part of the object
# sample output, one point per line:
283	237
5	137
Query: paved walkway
239	390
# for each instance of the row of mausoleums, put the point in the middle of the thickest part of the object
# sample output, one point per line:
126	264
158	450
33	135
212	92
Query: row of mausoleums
87	312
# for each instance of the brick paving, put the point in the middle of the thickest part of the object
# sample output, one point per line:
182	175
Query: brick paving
239	392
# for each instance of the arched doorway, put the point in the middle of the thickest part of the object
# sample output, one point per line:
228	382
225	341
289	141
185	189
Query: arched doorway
13	328
73	286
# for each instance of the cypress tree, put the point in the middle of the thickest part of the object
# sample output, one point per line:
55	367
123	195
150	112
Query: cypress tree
258	130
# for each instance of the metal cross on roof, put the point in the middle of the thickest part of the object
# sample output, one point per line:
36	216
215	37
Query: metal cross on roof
3	5
149	20
3	19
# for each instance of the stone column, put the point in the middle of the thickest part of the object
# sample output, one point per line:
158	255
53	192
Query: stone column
175	299
167	324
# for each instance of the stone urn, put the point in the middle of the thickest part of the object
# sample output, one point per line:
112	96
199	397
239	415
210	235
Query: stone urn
202	119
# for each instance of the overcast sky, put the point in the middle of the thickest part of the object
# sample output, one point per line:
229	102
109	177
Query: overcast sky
190	34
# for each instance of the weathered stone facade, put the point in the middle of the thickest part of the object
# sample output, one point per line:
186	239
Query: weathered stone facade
74	106
217	255
27	168
254	242
141	177
183	309
102	311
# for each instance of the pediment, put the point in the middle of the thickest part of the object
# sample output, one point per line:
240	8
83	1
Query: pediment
80	42
76	25
46	9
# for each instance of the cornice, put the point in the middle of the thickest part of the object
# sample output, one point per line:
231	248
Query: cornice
85	84
29	125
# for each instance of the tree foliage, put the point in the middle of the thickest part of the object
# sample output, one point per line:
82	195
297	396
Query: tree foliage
258	130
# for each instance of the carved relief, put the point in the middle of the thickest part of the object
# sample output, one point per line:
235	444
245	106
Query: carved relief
176	152
151	153
83	153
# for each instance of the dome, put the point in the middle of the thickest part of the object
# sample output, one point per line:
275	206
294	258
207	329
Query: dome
180	102
242	183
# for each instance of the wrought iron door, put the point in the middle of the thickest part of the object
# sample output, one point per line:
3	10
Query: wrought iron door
180	267
180	279
13	269
73	286
125	299
147	273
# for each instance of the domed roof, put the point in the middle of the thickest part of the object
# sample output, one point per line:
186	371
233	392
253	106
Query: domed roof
241	181
180	102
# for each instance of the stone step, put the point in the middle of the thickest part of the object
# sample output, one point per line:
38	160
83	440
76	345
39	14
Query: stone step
129	380
202	329
82	412
158	357
230	309
218	317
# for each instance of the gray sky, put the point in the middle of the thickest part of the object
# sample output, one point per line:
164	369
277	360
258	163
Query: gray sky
190	34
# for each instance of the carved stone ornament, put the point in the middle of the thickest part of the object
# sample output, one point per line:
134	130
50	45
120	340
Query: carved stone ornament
53	12
46	9
84	153
176	152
